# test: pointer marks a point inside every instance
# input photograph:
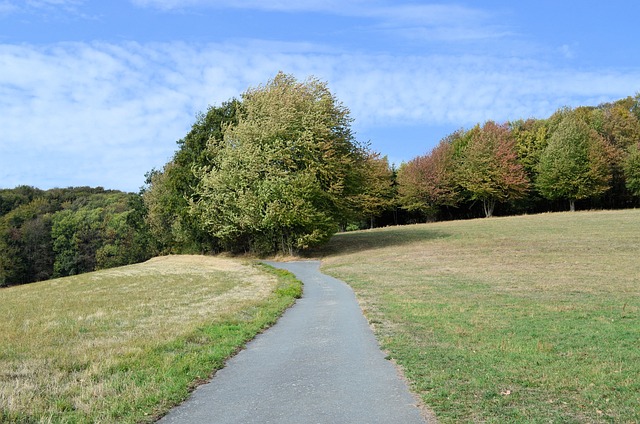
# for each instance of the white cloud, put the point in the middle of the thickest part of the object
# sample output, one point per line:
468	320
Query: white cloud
567	51
424	21
104	114
8	7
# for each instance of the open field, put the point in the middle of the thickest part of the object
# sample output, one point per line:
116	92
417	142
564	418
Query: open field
521	319
125	344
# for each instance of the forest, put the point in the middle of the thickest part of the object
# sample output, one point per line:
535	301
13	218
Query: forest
280	171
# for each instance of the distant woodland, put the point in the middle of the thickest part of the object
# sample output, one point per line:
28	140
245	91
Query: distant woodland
279	171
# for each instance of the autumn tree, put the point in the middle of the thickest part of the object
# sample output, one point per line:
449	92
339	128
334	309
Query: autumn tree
286	174
575	163
489	169
428	182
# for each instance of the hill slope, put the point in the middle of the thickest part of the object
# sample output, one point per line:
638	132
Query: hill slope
521	319
125	344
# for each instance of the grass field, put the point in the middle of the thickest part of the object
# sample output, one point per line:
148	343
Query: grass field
124	345
522	319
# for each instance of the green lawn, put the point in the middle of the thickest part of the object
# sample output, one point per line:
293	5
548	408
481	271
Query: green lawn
126	344
520	319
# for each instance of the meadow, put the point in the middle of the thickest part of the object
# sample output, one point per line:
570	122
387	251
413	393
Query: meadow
520	319
126	344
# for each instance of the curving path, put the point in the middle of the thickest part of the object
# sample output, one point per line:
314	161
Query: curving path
319	364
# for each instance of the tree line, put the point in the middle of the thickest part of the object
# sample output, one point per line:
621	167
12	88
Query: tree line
62	232
588	154
279	170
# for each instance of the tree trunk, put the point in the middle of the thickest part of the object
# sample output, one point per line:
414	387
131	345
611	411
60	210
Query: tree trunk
489	205
572	205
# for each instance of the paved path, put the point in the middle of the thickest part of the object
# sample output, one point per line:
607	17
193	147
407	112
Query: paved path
319	364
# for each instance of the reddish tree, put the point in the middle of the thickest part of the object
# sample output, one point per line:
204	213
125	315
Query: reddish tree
426	182
489	168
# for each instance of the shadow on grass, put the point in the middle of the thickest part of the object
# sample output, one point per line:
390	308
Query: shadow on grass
361	241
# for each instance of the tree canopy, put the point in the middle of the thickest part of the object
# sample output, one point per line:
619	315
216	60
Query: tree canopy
62	232
574	165
285	175
489	169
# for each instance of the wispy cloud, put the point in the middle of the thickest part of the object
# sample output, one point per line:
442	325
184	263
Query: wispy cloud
441	22
9	7
274	5
104	114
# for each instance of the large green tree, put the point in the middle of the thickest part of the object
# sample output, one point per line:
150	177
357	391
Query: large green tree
575	164
286	175
489	169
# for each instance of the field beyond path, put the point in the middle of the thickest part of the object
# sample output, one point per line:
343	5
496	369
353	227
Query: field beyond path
526	319
320	363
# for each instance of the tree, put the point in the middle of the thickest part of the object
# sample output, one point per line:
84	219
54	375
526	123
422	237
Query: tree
574	164
428	182
489	169
377	192
286	174
170	190
25	243
632	170
531	138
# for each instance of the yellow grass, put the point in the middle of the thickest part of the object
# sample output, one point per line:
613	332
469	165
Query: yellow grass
60	339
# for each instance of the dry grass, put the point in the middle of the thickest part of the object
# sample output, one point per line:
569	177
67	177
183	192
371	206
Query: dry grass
521	319
63	343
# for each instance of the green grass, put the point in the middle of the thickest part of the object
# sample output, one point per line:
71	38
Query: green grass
522	319
125	345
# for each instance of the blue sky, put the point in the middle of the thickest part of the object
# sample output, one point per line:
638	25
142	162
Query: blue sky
98	92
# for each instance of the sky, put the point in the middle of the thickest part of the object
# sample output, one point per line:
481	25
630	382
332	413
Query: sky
96	93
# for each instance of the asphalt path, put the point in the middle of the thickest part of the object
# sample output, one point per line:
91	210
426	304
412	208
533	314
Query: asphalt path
319	364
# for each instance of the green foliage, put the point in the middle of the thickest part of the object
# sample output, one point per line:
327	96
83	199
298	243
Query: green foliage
63	232
286	174
167	198
377	191
531	138
632	170
575	164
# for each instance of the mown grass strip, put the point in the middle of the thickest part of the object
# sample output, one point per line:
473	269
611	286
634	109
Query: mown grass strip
522	319
143	380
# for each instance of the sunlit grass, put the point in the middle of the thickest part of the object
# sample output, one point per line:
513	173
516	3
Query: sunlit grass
522	319
123	345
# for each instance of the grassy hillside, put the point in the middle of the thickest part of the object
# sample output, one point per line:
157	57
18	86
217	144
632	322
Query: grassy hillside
123	345
521	319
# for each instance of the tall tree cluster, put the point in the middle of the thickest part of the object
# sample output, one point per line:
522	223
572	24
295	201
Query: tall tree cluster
588	154
279	171
61	232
